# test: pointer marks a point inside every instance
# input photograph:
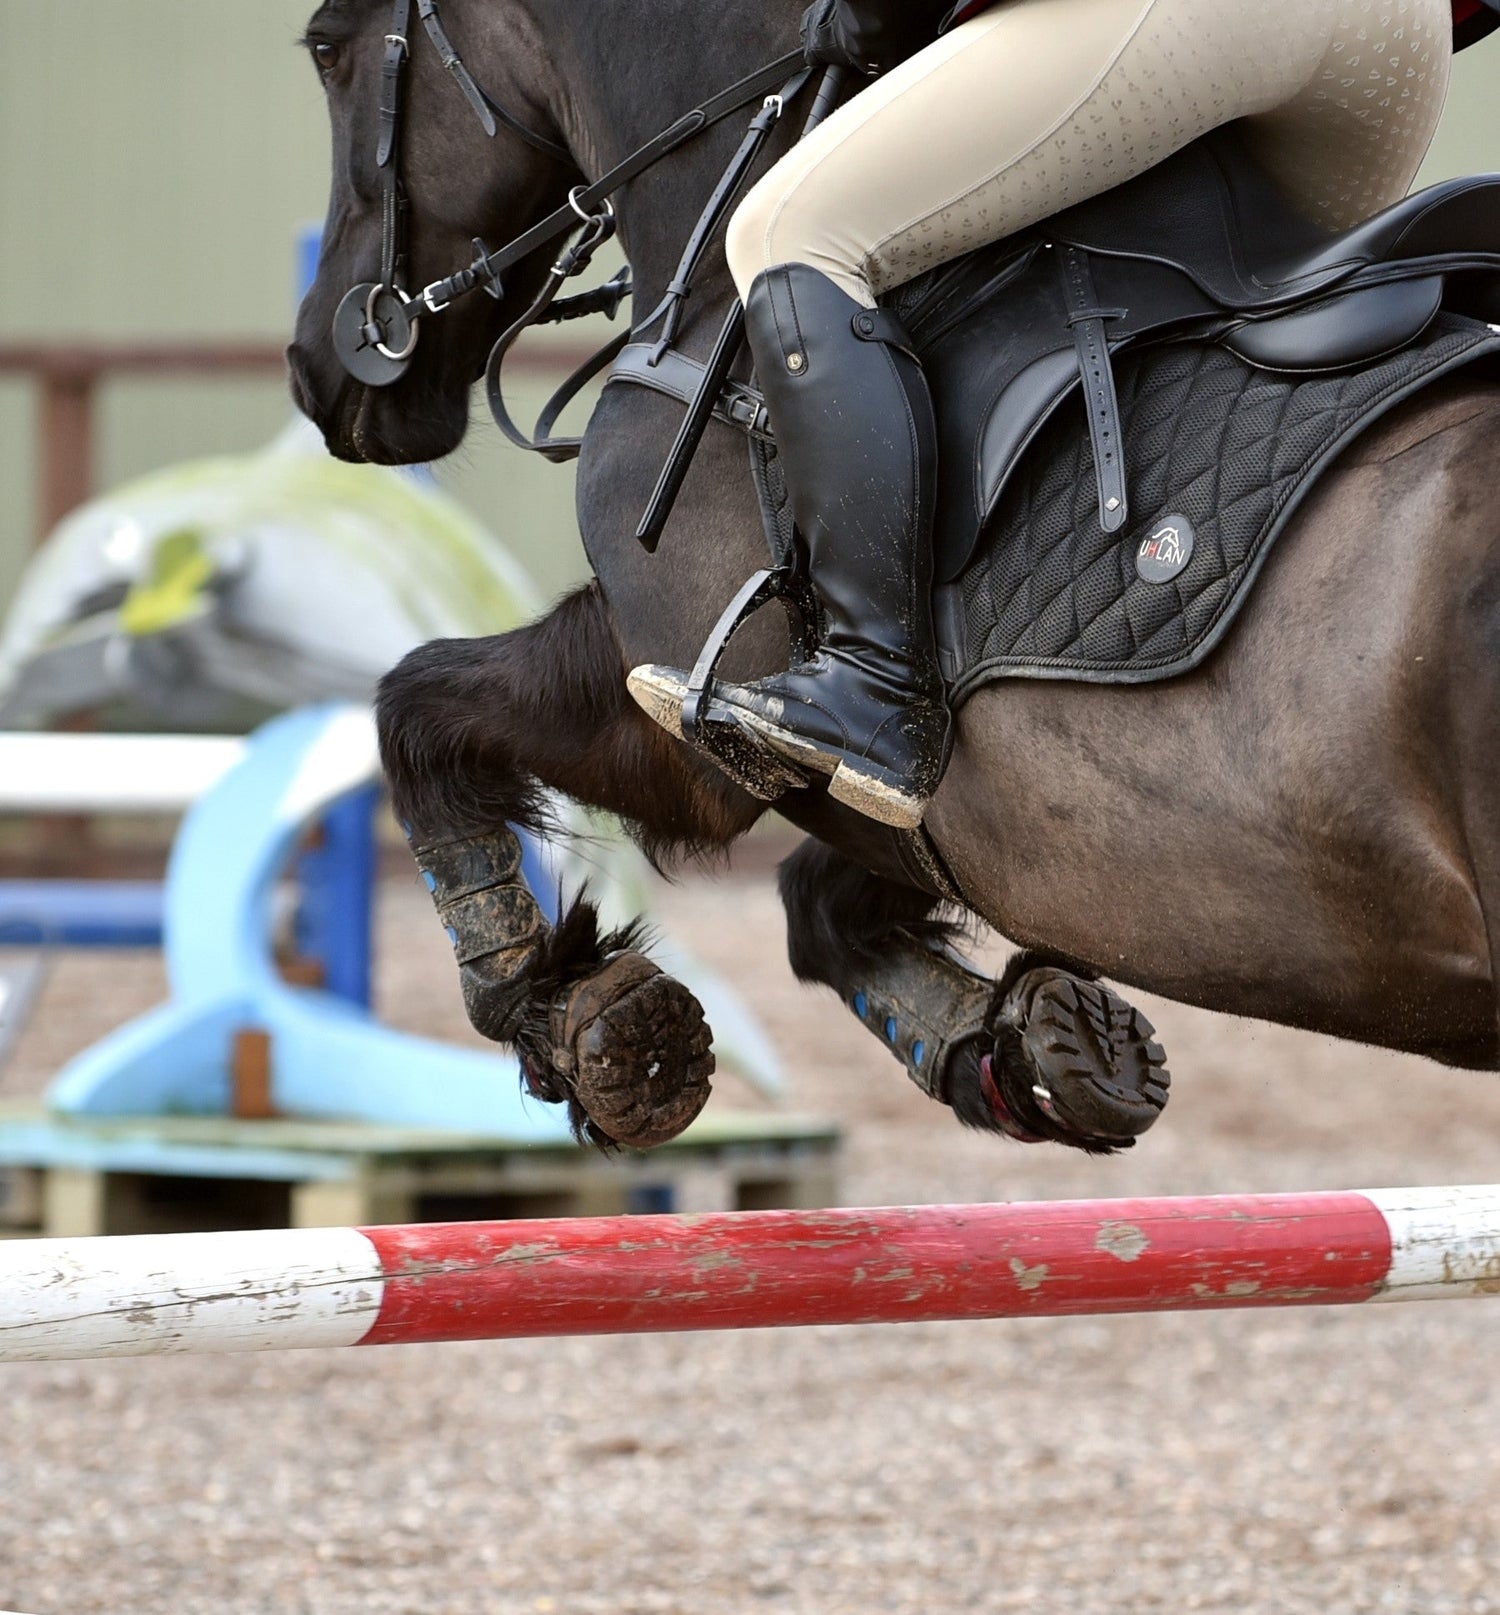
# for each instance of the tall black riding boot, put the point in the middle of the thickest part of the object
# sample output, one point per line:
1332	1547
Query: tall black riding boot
855	433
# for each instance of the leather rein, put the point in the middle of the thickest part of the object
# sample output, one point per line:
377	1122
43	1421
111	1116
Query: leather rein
378	323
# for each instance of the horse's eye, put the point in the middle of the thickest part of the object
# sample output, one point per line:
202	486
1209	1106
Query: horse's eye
326	56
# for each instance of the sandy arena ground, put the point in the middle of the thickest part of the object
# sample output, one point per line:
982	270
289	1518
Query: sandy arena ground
1250	1464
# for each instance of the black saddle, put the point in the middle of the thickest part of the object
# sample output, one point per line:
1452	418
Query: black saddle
1202	249
1199	280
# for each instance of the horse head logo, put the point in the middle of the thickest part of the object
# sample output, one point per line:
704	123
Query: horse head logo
1167	551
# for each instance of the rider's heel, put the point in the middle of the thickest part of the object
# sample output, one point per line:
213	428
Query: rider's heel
878	794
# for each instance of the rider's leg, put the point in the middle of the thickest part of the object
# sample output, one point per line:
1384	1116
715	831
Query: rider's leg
1351	142
1036	105
858	443
1025	110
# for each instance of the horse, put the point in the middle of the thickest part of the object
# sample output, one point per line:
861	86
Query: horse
1305	829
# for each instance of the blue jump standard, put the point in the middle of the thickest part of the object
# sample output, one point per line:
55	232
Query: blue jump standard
330	1057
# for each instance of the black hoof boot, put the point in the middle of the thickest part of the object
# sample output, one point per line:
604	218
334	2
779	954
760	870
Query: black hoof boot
1074	1063
630	1049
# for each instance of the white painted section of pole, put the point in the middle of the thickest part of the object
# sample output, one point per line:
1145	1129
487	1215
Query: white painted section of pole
111	773
148	1294
1444	1241
344	756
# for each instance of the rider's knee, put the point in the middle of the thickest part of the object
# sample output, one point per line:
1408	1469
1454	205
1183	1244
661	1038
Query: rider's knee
774	225
746	241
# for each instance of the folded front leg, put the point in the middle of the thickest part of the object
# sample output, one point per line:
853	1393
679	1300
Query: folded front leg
473	733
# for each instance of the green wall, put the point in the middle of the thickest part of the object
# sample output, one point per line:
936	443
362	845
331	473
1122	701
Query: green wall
156	160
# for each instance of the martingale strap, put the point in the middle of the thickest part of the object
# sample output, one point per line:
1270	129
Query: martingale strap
589	199
668	314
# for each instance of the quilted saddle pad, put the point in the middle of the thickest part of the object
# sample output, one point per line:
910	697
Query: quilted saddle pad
1220	455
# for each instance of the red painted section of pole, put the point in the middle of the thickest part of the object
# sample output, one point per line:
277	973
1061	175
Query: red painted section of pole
745	1270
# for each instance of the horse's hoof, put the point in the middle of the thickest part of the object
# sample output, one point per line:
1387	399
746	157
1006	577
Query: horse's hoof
635	1050
1089	1063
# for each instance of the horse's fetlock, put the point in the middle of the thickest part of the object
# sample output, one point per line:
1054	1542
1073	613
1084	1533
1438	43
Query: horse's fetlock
495	1003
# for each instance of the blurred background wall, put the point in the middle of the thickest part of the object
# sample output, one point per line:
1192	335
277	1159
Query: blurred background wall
157	159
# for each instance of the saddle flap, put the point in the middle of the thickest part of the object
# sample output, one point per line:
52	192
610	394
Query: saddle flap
1005	433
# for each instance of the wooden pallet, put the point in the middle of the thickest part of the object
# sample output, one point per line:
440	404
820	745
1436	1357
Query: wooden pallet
62	1176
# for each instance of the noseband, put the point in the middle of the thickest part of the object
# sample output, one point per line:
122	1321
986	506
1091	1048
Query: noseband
377	325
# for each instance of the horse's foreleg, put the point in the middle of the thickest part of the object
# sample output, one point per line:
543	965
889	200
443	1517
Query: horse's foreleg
1045	1053
473	732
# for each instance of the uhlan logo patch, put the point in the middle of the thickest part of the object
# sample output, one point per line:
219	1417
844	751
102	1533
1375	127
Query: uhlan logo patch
1166	550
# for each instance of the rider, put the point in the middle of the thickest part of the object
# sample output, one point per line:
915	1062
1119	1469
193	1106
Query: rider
986	118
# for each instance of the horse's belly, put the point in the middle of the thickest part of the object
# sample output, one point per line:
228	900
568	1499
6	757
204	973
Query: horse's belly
1146	862
1281	833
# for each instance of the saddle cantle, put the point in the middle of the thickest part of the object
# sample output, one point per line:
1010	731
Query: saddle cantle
1194	320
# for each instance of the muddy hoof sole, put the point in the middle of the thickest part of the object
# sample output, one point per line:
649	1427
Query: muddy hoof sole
1099	1072
638	1052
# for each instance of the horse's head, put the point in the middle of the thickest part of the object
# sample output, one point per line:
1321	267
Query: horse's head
456	185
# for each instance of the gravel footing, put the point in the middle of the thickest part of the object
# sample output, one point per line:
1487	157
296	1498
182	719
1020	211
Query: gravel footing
1251	1464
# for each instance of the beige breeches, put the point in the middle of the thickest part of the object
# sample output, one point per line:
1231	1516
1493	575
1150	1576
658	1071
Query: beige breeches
1037	104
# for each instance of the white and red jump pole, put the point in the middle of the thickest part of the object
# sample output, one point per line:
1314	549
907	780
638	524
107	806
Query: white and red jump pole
159	1293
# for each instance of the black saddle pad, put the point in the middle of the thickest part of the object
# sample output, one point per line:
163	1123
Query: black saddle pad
1220	455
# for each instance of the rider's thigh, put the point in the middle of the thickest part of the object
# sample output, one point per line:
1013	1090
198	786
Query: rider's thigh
1352	141
1025	110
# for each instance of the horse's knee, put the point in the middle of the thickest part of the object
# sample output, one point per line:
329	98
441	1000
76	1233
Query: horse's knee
472	730
447	733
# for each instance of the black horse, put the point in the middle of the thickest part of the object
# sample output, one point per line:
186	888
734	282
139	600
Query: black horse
1305	829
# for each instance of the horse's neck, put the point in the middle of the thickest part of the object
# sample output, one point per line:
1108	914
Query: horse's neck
621	93
627	84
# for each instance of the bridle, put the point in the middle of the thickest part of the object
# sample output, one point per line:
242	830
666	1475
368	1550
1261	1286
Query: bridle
378	332
378	323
